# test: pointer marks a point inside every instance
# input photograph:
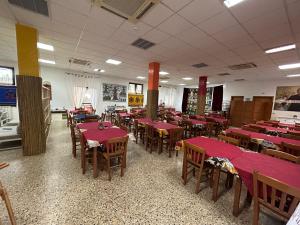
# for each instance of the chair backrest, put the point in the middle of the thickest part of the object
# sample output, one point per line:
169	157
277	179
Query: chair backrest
194	154
258	128
290	136
103	115
293	133
291	149
281	155
123	127
150	131
176	134
229	140
116	145
297	128
244	139
212	120
274	195
87	120
252	129
186	124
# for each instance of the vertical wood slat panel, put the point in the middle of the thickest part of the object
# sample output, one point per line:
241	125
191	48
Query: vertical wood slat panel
152	103
29	91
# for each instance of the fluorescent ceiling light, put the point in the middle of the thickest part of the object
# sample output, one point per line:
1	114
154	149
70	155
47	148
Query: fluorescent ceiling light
293	75
230	3
45	46
187	78
113	61
289	66
164	81
280	49
46	61
140	77
102	71
208	82
181	84
163	73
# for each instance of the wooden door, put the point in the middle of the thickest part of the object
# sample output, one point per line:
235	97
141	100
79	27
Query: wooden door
262	107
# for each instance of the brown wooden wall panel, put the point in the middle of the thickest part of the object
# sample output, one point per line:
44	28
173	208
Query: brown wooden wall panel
31	113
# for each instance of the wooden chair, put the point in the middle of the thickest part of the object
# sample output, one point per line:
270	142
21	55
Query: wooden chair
151	136
229	140
244	139
188	128
291	149
123	127
274	195
293	133
116	148
281	155
193	156
86	154
175	135
75	139
290	136
258	128
138	131
103	117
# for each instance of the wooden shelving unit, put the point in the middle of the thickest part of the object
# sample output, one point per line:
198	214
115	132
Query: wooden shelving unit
46	98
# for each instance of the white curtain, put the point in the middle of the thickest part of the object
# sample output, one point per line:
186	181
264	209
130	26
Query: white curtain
167	96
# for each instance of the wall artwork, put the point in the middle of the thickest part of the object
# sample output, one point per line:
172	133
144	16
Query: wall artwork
287	98
135	100
114	92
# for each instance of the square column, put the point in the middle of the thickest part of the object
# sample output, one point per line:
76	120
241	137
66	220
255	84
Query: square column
152	93
201	100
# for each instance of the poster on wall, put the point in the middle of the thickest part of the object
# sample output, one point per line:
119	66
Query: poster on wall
287	98
7	76
135	100
114	92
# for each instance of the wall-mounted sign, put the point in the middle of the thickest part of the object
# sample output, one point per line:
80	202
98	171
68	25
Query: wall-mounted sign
287	98
7	76
135	100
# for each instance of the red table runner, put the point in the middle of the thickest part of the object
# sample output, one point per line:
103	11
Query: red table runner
93	125
275	140
278	169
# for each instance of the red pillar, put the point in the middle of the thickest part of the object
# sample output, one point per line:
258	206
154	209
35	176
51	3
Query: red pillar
201	100
152	93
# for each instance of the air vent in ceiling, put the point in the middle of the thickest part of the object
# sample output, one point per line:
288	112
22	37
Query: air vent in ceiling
37	6
164	78
199	65
242	66
131	10
81	62
224	74
239	80
142	43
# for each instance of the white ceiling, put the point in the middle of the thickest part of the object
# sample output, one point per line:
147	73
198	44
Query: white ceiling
185	32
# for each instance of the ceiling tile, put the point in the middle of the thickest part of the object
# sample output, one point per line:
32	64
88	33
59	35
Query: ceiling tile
175	5
157	15
156	36
174	25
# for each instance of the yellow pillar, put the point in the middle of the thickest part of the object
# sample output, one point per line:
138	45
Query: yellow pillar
29	82
27	38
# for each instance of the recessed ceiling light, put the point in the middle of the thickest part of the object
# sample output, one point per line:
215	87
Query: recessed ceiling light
99	70
280	49
140	77
187	78
163	73
164	81
289	66
102	71
230	3
46	61
181	84
208	82
45	46
96	70
113	61
293	75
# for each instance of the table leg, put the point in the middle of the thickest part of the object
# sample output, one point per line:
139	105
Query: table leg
216	179
95	162
237	196
161	143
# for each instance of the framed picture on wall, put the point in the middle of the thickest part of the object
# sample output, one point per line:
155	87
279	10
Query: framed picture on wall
114	92
287	98
7	75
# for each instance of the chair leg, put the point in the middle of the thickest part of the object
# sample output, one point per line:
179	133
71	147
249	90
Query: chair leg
197	190
108	169
83	163
185	172
170	149
255	213
122	166
5	198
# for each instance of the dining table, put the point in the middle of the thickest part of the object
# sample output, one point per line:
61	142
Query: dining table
278	169
260	136
274	129
98	137
125	115
92	125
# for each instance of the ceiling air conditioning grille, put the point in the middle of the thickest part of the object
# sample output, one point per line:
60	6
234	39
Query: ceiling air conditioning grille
224	74
131	10
199	65
142	43
242	66
238	80
37	6
81	62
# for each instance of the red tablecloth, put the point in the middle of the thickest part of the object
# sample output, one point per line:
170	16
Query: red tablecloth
197	122
93	125
275	140
278	169
217	119
144	120
101	136
215	148
290	126
163	126
268	128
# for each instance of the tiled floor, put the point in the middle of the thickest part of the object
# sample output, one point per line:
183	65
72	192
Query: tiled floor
50	189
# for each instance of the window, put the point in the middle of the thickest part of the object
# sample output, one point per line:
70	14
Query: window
135	88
